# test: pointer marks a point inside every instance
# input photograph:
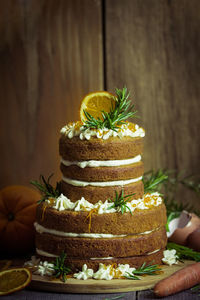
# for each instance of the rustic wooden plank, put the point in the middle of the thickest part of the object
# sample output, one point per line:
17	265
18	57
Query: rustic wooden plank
153	47
51	55
188	294
32	295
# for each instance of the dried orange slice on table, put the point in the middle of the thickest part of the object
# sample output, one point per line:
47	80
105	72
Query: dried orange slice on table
96	102
13	280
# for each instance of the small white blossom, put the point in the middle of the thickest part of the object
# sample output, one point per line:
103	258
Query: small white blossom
170	257
84	274
42	267
124	269
33	262
104	272
45	268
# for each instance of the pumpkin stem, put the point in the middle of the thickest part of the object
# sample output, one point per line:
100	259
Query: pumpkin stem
11	216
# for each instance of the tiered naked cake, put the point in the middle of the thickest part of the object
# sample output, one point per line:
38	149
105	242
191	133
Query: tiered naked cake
101	167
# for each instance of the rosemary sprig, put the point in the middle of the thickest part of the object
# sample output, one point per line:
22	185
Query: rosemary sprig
184	252
144	270
46	189
119	201
59	267
152	179
116	116
115	298
169	182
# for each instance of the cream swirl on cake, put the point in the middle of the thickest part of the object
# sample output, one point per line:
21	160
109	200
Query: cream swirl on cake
63	203
77	129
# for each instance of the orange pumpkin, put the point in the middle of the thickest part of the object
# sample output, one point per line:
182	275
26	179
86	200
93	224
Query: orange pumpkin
17	214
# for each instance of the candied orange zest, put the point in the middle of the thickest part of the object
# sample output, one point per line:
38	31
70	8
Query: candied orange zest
131	126
43	210
78	125
113	268
118	274
45	205
51	200
89	216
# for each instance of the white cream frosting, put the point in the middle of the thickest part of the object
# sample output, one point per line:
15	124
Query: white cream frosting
44	253
35	261
170	257
77	129
100	184
102	163
155	251
63	203
101	258
41	229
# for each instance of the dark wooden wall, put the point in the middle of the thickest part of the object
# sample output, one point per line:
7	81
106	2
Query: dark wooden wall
53	52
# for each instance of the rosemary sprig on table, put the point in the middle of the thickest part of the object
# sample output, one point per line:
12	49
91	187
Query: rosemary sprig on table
119	201
144	270
184	252
152	179
116	298
117	115
59	267
46	189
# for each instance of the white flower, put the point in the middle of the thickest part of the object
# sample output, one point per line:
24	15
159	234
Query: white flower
124	269
33	262
45	268
170	257
85	274
104	272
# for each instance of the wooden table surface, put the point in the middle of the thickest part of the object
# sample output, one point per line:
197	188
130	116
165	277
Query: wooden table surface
29	294
142	295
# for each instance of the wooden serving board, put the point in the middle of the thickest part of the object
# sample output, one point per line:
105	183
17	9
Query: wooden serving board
103	286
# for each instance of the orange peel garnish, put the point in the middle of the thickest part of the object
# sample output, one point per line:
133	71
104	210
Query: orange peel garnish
96	102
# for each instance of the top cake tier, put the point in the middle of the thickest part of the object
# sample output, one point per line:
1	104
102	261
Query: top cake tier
96	163
77	144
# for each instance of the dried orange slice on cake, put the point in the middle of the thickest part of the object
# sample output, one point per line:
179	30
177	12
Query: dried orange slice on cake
96	102
13	280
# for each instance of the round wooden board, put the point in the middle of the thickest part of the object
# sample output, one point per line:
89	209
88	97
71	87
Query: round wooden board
103	286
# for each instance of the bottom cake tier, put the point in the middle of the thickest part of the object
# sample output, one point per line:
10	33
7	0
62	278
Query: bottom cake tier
76	264
91	238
